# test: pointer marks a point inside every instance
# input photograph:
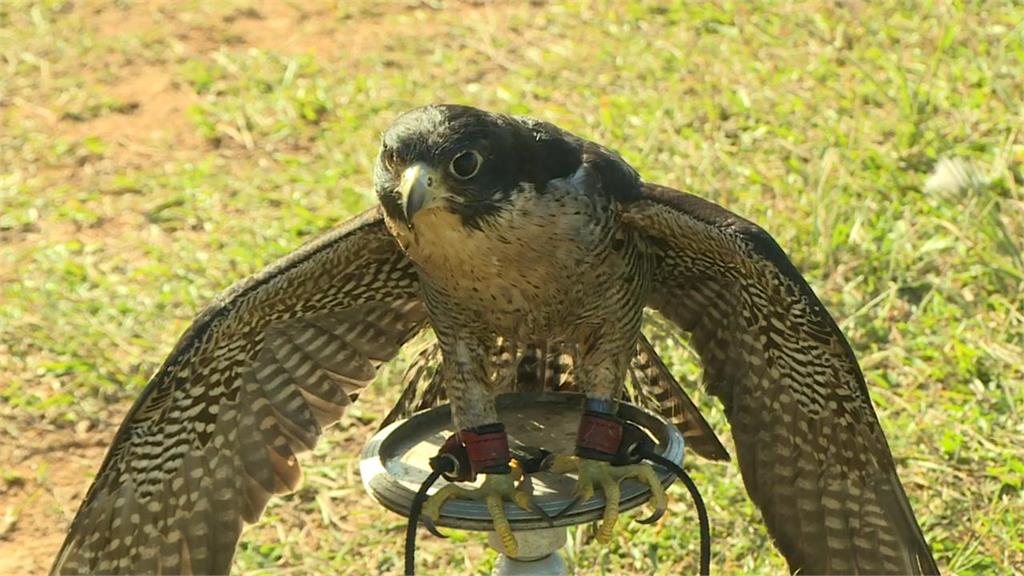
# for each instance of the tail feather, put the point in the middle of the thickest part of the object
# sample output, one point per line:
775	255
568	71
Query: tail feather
421	385
559	371
531	370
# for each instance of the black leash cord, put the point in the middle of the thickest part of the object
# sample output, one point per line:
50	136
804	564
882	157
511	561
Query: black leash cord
414	520
698	503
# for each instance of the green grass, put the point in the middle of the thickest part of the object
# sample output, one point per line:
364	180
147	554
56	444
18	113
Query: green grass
821	124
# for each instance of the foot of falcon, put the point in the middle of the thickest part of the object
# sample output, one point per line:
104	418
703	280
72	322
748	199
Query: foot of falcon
495	491
593	474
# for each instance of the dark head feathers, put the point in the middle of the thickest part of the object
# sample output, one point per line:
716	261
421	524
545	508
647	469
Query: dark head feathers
516	151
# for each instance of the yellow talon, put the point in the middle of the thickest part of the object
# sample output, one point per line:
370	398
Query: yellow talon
495	490
593	473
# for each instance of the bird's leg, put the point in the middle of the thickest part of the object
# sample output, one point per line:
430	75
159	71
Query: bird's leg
604	443
481	444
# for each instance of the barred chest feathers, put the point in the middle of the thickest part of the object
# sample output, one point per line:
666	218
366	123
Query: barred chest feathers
530	269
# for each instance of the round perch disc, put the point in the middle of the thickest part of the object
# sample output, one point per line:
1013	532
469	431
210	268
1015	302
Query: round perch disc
395	461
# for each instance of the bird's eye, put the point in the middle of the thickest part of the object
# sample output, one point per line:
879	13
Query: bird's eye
466	164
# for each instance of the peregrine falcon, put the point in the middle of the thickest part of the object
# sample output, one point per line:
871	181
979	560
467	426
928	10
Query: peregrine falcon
524	248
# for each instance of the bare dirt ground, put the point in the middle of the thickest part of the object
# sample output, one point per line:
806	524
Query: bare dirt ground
41	496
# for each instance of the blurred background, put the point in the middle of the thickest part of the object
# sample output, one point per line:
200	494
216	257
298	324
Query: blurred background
152	152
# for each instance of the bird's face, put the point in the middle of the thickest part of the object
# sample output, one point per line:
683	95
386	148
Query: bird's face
464	164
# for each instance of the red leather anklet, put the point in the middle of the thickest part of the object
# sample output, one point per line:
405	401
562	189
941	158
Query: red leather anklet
487	449
483	449
599	436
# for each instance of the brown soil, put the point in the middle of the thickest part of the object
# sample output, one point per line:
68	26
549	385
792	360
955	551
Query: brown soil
40	498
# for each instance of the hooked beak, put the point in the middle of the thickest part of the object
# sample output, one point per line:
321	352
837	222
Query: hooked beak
420	189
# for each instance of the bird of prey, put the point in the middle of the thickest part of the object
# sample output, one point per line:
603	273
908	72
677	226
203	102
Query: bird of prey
522	247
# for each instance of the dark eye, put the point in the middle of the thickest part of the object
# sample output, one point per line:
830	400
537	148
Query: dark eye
466	164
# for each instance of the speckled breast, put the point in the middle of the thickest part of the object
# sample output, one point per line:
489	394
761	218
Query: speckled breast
528	271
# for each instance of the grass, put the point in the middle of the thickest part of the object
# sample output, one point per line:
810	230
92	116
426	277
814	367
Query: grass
152	152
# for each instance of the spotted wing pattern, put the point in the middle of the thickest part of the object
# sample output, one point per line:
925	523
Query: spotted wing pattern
253	382
810	447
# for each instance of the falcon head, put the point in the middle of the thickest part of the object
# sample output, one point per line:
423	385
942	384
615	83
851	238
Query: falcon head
465	163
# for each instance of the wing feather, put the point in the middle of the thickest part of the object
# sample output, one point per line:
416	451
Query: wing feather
251	384
809	445
660	391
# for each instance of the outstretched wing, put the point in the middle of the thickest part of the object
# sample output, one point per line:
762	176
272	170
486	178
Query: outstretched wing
253	382
812	453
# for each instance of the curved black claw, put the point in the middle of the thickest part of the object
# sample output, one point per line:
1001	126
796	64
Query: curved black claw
570	506
428	523
653	517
